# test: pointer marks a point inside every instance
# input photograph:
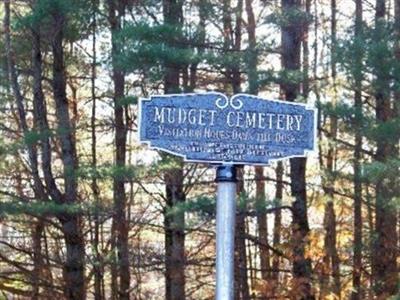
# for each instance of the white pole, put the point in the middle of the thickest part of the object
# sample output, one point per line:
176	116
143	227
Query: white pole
226	210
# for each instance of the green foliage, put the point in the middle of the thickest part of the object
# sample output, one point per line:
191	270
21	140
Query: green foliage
290	76
380	59
243	201
377	171
383	131
246	203
289	17
107	171
32	136
350	57
127	100
15	207
145	45
222	60
268	77
77	12
203	206
149	47
168	162
371	53
345	112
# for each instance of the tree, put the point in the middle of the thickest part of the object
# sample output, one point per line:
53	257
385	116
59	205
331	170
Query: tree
174	219
331	257
85	211
74	267
98	264
74	264
291	46
252	61
116	12
385	253
357	249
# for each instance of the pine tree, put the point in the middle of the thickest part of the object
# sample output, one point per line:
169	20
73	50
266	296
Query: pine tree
291	46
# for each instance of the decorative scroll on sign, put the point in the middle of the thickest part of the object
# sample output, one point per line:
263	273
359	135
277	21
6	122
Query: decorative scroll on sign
213	128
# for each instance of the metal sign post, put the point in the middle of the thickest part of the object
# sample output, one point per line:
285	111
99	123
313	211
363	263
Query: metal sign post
226	210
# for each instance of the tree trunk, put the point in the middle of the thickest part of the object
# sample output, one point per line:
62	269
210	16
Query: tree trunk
385	254
174	217
259	171
227	36
277	226
74	266
113	263
291	45
202	7
42	127
331	257
115	16
40	116
396	105
37	259
357	235
251	260
32	154
98	265
262	224
241	277
19	99
237	42
174	221
232	40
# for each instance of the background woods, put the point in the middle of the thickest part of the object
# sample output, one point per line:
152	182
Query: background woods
88	213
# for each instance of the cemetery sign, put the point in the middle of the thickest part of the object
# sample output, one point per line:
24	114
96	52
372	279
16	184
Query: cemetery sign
213	128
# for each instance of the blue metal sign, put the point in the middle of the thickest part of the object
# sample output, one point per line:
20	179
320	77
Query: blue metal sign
213	128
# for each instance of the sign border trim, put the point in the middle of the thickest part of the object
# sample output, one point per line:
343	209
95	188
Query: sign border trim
306	152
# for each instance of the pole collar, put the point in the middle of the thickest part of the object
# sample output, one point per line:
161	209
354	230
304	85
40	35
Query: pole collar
226	173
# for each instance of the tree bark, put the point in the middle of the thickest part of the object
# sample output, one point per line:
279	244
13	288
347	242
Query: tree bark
98	264
42	128
174	217
277	226
241	277
357	235
174	221
121	224
292	34
32	154
232	41
37	258
331	257
74	266
202	7
259	171
262	224
40	116
19	99
237	43
396	105
227	36
385	254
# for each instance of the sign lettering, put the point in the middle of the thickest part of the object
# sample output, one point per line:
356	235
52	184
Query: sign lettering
210	127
